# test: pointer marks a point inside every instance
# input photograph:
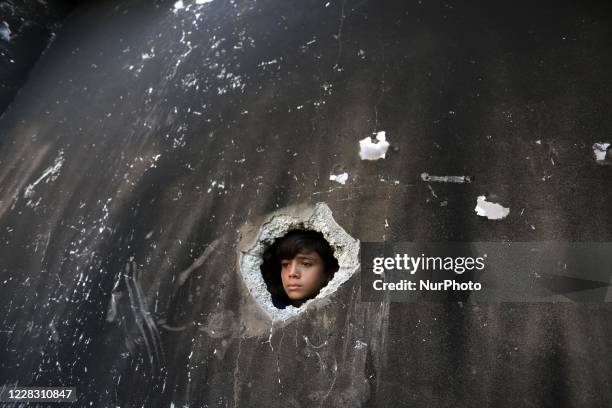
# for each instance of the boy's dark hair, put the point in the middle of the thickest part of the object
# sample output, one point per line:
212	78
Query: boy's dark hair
287	247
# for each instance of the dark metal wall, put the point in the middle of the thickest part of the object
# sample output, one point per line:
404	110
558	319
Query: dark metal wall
149	131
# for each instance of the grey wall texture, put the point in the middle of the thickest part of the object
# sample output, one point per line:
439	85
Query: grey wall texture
154	138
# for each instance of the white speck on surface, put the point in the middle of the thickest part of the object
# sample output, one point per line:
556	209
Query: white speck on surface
203	1
492	211
179	5
179	142
327	87
369	150
600	151
340	178
433	193
360	345
538	142
154	160
265	63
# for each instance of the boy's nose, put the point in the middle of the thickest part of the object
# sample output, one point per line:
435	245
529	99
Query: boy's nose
293	269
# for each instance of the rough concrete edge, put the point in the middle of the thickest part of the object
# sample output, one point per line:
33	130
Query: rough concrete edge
320	218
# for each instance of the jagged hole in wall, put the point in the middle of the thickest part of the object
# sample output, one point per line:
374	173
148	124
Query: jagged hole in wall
318	218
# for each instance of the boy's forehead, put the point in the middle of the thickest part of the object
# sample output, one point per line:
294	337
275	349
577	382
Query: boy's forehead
307	255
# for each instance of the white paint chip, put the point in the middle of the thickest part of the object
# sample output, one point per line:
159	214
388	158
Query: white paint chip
600	150
492	211
369	150
340	178
179	5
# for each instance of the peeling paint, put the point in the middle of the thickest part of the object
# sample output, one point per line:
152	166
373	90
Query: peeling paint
340	178
492	211
601	153
369	150
446	179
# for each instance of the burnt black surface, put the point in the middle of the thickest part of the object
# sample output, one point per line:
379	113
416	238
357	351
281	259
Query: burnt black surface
29	27
145	133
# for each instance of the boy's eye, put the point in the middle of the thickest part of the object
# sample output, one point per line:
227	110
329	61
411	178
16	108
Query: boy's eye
306	264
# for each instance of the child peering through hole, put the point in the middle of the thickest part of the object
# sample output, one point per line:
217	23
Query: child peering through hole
297	266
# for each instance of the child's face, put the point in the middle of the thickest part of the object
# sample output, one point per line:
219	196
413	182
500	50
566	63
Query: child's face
303	276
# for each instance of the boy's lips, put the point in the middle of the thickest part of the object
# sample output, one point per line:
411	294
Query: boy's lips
293	286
